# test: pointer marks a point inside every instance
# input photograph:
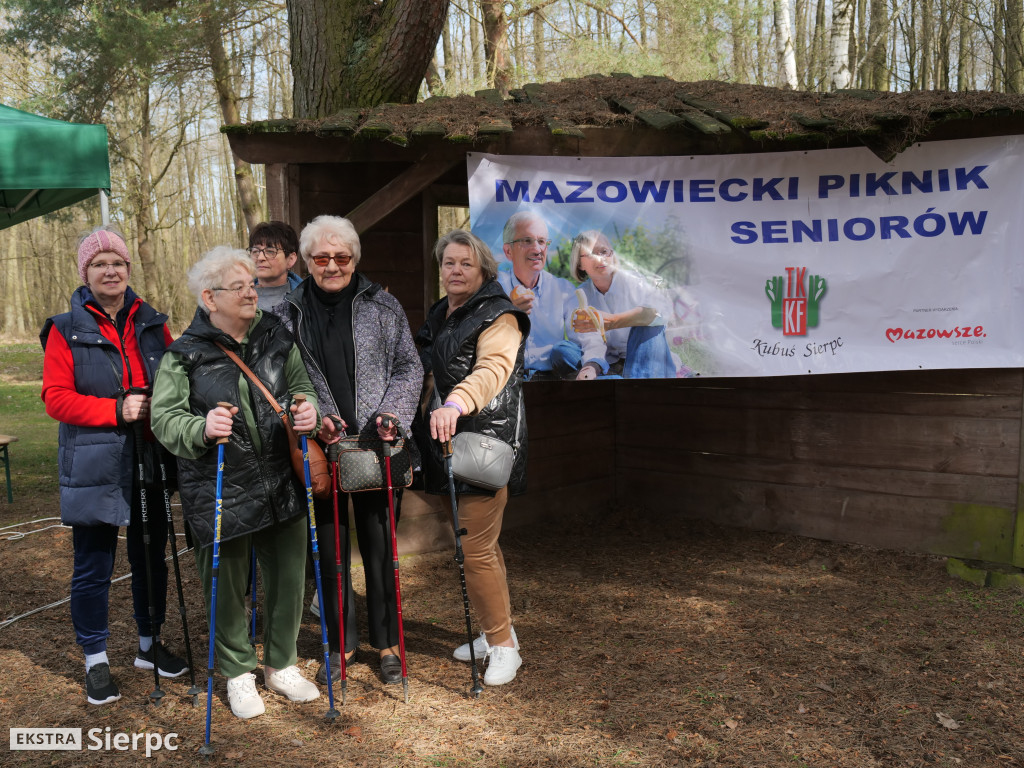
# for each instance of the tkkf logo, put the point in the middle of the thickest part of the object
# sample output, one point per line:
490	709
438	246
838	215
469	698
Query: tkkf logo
796	310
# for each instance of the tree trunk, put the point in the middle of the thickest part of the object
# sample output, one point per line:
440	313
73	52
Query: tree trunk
839	45
360	53
538	44
448	71
496	45
739	60
475	47
144	280
784	46
816	71
962	50
859	46
227	96
942	47
998	18
927	44
874	61
1014	38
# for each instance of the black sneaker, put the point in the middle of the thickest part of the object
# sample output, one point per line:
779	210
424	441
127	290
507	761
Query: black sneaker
99	687
170	665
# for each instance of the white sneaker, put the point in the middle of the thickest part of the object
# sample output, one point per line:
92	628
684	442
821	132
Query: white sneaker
502	665
290	682
314	607
480	647
244	698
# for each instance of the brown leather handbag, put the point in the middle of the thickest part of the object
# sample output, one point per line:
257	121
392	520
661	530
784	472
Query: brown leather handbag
319	474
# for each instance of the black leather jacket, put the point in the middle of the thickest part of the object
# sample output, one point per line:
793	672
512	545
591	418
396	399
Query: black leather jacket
448	349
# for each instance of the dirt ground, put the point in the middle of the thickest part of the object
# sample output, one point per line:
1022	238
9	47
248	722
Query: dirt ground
643	645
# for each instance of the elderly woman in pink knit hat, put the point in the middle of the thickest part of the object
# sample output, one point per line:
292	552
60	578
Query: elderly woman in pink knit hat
97	369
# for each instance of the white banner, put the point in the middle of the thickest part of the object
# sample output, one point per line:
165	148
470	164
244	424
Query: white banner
763	265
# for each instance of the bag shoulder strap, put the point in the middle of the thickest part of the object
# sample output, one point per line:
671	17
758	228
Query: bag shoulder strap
253	378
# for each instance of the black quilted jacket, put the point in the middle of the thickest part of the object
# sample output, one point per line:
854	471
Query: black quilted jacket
259	488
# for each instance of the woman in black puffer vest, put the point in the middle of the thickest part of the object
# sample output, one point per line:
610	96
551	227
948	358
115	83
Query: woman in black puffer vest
262	507
473	343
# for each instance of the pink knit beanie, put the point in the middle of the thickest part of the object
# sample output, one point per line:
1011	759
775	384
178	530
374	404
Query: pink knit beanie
100	241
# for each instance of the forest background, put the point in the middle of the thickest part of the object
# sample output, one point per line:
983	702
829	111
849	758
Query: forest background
164	75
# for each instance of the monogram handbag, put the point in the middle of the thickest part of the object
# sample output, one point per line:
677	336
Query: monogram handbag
320	476
361	465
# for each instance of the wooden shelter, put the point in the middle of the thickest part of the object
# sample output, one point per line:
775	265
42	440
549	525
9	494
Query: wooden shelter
928	461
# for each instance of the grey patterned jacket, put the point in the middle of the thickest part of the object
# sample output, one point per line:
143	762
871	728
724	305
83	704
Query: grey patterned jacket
388	375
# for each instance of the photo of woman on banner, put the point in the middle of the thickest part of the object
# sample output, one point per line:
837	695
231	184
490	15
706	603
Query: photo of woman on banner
615	316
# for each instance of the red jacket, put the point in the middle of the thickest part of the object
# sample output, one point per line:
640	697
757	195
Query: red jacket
63	401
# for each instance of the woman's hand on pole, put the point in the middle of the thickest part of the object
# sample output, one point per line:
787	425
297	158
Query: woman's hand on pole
218	422
329	432
390	433
135	408
442	423
303	417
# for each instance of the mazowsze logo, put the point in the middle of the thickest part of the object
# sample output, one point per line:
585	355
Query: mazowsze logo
795	299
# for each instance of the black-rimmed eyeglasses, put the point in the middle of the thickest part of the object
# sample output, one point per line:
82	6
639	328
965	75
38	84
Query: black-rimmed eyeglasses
268	252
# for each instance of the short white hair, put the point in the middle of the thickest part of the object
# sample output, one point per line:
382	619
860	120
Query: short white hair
336	230
208	273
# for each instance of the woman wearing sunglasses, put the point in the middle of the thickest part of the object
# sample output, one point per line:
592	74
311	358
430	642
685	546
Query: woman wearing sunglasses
355	341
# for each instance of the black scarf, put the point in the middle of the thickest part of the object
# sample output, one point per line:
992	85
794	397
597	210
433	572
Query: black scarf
330	319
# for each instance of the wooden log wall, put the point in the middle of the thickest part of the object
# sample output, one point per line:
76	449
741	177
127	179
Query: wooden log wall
925	461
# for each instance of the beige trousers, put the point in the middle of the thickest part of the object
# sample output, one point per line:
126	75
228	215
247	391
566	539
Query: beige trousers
486	583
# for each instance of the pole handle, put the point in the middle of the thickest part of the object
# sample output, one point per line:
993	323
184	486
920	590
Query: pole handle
229	406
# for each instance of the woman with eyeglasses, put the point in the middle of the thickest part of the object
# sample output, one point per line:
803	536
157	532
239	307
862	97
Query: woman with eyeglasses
263	504
274	247
358	350
99	361
622	326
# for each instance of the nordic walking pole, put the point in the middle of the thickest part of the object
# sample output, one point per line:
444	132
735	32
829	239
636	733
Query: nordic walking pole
388	448
460	558
332	454
311	514
156	694
194	691
207	749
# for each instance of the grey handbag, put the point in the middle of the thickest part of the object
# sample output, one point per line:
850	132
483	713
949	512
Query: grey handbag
482	460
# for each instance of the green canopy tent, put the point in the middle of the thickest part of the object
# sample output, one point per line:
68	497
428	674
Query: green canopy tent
48	164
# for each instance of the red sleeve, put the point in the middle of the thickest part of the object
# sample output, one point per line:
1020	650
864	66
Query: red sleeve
167	336
63	402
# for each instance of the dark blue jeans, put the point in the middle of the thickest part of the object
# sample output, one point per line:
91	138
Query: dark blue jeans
95	549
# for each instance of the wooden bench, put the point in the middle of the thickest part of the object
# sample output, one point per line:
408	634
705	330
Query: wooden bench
6	440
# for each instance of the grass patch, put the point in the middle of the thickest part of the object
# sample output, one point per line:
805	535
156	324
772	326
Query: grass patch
22	415
34	456
21	362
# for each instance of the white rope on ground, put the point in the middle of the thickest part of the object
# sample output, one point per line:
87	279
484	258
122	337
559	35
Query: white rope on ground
17	535
40	609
